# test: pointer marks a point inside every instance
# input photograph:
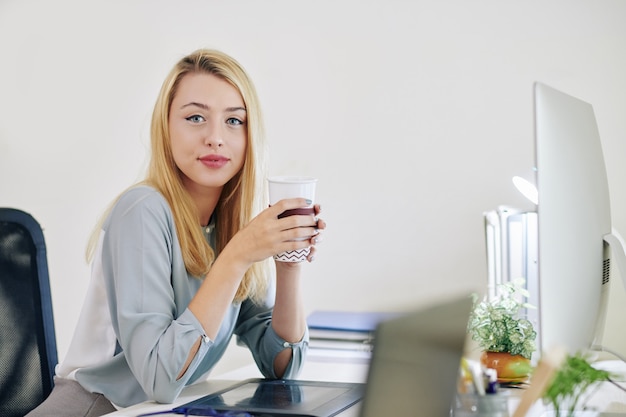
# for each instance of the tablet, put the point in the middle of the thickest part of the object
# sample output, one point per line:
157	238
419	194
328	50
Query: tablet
283	397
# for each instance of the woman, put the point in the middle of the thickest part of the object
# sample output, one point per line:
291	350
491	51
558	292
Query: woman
180	262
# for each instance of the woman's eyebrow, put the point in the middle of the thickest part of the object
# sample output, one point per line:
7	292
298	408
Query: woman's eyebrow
193	103
205	107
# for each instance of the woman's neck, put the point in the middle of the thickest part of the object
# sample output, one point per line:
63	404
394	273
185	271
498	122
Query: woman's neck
206	200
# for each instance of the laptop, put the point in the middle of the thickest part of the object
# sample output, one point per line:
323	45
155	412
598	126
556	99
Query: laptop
415	362
413	371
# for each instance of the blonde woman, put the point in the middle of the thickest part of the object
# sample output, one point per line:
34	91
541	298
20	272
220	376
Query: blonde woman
180	262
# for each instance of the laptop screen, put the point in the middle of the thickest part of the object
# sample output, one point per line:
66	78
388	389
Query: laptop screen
415	362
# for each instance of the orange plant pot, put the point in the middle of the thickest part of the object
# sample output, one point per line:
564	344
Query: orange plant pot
510	368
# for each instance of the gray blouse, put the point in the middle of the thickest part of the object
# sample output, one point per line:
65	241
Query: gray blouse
140	285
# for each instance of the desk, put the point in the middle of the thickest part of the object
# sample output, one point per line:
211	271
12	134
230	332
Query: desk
607	397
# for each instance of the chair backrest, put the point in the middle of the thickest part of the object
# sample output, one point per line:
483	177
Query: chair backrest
28	352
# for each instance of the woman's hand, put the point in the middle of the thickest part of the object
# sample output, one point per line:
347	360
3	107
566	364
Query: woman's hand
317	238
267	235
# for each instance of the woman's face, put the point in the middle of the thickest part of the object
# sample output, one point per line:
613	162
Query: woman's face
208	131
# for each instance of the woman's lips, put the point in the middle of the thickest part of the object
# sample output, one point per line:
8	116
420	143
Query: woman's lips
214	161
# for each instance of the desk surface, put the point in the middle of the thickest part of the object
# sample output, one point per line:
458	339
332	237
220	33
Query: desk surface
606	398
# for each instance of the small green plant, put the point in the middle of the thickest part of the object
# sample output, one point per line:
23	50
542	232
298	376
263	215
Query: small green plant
571	381
496	324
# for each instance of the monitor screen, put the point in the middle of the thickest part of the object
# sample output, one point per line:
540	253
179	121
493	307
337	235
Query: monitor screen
573	218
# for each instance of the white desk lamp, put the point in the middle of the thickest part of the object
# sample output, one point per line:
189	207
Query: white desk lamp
528	189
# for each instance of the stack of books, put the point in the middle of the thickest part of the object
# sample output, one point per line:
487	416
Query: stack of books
343	334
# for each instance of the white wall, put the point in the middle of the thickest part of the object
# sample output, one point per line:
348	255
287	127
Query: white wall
413	114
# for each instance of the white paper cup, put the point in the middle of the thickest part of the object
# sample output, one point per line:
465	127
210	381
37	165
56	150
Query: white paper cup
281	187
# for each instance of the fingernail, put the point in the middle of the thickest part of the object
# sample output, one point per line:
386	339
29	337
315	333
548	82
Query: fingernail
309	201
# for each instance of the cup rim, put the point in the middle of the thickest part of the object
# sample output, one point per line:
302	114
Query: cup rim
292	179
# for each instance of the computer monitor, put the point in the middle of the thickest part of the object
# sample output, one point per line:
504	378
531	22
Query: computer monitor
574	223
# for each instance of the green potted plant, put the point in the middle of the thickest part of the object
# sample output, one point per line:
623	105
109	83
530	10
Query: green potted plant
506	339
571	381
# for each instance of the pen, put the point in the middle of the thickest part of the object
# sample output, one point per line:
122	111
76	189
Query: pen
491	381
199	411
475	373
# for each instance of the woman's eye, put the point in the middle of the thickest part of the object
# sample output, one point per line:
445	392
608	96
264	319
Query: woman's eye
234	121
196	118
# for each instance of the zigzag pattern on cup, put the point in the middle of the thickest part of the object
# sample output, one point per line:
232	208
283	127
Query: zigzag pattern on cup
293	256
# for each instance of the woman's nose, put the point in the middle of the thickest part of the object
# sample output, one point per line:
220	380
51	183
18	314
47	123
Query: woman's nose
213	137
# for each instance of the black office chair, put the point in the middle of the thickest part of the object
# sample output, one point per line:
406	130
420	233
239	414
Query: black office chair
28	352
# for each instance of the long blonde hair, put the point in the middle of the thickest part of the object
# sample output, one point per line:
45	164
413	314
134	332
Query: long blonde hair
242	197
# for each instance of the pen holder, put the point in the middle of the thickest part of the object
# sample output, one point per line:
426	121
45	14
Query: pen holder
488	405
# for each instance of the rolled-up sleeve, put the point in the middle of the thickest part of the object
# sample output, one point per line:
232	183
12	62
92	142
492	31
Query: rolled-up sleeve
254	330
